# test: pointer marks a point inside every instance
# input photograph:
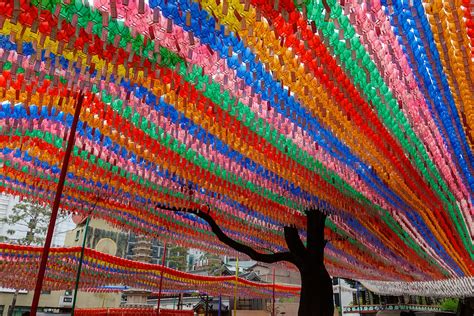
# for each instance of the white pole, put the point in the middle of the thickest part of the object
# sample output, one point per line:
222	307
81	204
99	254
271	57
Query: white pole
340	297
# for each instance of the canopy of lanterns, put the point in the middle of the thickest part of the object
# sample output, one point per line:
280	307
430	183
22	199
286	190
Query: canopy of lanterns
262	109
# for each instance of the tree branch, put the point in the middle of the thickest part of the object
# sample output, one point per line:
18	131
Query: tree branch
316	243
293	240
253	254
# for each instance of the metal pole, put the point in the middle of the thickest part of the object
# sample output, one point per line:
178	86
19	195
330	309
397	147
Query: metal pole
180	301
357	296
220	306
55	208
235	288
273	296
78	276
161	281
340	297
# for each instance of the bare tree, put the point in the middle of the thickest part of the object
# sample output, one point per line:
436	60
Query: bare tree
27	225
316	297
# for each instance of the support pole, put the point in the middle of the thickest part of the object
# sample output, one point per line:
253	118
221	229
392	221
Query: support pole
180	301
273	296
357	296
78	276
163	260
55	208
340	297
235	288
220	306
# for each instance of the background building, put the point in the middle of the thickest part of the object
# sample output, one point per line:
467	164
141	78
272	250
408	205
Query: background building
112	240
7	202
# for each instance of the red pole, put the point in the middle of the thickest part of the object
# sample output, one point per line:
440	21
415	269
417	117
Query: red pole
161	281
54	211
273	301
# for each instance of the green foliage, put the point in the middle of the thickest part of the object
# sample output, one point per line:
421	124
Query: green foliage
30	220
450	304
293	299
177	258
214	262
351	283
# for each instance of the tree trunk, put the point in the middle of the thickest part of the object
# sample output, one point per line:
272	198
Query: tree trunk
316	285
316	297
13	304
466	307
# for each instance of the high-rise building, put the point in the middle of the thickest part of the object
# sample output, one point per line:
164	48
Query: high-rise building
7	202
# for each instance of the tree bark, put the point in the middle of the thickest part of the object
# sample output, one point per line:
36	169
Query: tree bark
316	297
466	307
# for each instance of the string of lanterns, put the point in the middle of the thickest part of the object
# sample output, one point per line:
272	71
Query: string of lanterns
462	287
100	272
